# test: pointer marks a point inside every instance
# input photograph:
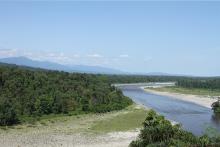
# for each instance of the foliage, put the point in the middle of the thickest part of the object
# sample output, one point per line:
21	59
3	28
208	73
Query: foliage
141	78
206	83
29	92
8	115
158	131
216	106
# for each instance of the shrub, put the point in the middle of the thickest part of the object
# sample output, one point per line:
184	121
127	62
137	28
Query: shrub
158	131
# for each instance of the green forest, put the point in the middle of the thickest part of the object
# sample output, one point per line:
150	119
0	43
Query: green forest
206	83
28	92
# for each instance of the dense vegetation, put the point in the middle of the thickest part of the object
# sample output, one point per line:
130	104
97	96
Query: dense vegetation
30	92
206	83
141	78
216	106
158	131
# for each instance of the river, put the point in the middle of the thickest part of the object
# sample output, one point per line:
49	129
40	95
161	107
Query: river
193	117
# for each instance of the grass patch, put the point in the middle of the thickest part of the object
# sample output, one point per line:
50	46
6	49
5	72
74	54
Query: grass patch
194	91
50	117
5	128
129	119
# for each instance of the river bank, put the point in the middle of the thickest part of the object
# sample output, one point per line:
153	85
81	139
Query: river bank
116	129
196	99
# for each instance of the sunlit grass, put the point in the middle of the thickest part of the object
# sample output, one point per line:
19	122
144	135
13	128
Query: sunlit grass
130	119
194	91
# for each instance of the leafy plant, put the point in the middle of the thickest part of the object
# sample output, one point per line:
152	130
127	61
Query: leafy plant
157	131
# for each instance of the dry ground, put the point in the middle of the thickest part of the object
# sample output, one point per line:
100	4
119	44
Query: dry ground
114	129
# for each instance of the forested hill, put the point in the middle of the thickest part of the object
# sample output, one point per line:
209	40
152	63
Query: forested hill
26	92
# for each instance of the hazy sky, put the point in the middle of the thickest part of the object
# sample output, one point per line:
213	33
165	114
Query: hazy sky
171	37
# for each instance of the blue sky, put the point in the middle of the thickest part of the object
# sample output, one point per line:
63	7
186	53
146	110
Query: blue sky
170	37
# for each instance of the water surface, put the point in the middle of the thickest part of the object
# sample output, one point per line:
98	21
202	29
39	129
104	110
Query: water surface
193	117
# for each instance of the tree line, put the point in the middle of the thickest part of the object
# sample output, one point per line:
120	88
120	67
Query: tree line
29	92
181	81
206	83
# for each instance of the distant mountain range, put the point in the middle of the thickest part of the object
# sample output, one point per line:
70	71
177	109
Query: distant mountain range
24	61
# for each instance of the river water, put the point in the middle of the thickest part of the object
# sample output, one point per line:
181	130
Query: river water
193	117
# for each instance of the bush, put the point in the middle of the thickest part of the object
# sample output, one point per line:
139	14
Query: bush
158	131
216	107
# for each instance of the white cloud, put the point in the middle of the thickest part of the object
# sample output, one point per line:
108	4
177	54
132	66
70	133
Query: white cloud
124	56
28	54
8	53
60	57
52	55
61	54
94	56
75	56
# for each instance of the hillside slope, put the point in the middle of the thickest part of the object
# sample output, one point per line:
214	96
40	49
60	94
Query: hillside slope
33	93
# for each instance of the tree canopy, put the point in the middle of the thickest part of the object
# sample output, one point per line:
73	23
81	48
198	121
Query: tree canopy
35	92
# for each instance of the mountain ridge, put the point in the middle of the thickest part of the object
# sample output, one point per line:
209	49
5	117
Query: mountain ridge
25	61
48	65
